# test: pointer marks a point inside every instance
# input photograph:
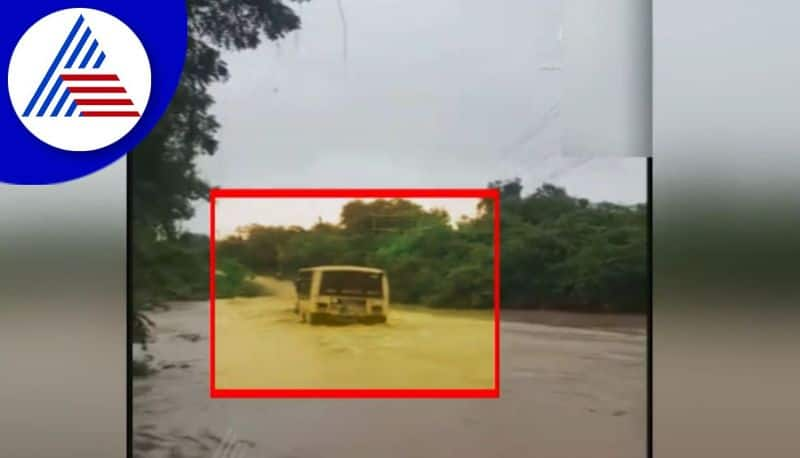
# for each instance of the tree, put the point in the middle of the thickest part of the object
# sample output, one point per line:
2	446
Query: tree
510	192
561	251
558	251
361	217
164	176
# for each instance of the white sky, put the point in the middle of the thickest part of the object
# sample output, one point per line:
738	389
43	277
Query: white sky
438	94
235	212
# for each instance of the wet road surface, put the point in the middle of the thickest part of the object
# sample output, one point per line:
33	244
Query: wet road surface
565	392
260	343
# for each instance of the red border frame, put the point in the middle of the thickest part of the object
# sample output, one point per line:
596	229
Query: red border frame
482	193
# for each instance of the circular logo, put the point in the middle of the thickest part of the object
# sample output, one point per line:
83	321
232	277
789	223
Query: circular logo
85	85
79	79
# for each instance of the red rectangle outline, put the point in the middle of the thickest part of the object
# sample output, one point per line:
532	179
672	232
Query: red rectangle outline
482	193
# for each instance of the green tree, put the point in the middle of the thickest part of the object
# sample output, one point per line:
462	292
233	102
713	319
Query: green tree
165	181
384	215
558	251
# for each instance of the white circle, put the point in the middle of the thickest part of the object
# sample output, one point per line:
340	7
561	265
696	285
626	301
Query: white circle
104	120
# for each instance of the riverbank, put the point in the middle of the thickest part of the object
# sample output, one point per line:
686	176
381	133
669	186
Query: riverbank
626	323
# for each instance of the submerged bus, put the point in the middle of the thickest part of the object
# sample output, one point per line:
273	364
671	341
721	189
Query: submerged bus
342	293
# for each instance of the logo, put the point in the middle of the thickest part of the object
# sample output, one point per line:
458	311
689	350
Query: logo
79	79
86	85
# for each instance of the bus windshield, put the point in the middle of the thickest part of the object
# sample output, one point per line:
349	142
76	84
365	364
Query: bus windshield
351	283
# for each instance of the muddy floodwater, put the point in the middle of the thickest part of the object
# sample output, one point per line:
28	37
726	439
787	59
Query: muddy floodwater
261	343
565	392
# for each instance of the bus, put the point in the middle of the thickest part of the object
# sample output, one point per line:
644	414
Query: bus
337	293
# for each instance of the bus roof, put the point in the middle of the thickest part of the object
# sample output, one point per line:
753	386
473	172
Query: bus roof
333	268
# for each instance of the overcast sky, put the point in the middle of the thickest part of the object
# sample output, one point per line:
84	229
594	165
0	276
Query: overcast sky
451	94
284	212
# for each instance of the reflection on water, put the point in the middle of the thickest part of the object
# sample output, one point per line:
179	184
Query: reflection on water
564	392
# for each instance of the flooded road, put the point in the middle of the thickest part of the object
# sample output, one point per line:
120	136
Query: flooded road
260	343
565	392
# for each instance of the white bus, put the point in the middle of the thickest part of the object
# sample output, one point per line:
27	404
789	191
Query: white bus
342	293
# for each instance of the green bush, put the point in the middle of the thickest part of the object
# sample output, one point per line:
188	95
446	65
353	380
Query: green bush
557	251
234	279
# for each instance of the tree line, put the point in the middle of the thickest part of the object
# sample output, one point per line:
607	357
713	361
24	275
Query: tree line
557	252
563	252
429	260
163	171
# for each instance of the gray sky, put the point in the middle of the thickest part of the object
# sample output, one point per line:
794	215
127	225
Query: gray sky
232	212
449	95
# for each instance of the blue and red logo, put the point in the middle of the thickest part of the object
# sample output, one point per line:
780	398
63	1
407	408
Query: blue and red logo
85	85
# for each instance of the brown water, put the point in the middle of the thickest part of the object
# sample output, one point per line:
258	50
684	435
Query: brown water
261	344
564	392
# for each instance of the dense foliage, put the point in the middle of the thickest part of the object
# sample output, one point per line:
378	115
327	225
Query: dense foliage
164	177
564	252
428	260
558	251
